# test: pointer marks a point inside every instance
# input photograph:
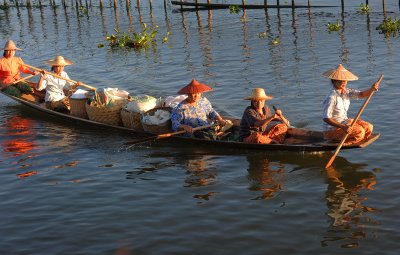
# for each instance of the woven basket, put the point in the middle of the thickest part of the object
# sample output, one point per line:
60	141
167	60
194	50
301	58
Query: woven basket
131	120
78	108
106	115
157	129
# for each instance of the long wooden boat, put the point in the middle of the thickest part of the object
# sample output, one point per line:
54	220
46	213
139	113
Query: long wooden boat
247	6
297	139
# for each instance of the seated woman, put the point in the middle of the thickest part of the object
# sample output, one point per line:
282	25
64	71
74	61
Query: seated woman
56	88
10	68
337	103
195	111
255	124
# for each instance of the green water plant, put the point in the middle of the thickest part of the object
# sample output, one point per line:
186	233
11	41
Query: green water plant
83	11
262	35
275	40
389	27
135	40
234	9
333	26
165	38
364	8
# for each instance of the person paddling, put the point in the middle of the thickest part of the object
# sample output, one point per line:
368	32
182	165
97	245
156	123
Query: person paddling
256	126
57	89
336	105
10	68
195	111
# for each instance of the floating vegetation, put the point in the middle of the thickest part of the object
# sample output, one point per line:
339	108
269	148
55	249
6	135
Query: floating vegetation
83	11
135	40
276	41
389	27
333	26
234	9
262	35
165	38
364	8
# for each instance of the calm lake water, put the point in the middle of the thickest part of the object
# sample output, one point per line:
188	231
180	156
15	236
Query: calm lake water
89	195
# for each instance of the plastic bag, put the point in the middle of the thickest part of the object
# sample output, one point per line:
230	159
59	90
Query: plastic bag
171	101
141	104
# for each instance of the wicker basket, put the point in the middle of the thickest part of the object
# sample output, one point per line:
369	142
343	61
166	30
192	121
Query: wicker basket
131	120
106	115
158	129
78	108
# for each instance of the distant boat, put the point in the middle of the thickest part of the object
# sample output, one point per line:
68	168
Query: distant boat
247	6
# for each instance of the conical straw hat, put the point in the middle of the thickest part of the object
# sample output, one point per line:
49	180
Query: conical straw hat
10	45
341	74
258	94
59	61
194	87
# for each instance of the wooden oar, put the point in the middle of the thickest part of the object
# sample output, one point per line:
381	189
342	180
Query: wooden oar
165	135
353	123
282	117
60	77
25	78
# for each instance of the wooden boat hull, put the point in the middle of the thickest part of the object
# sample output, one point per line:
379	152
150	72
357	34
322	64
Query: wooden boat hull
297	139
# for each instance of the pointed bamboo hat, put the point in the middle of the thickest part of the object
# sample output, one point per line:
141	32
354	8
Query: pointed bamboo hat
194	87
10	45
258	94
59	61
341	74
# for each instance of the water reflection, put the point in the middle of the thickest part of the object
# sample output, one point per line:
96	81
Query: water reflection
345	197
200	171
19	136
265	176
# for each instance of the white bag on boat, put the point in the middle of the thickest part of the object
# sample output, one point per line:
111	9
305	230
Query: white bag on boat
141	104
171	101
79	94
159	118
117	94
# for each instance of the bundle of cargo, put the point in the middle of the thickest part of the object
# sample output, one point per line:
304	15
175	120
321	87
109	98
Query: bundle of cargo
105	105
132	112
77	102
157	120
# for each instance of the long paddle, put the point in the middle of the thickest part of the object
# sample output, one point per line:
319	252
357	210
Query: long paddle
353	123
60	77
165	135
25	78
282	117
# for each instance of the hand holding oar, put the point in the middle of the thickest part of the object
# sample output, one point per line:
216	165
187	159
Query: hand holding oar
165	135
373	89
279	113
60	77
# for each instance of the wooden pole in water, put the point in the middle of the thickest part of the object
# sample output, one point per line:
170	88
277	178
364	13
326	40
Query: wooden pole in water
115	4
277	3
101	4
383	6
243	4
309	5
28	3
342	1
151	4
293	3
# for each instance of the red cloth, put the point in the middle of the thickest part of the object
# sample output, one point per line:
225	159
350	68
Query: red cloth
276	134
361	130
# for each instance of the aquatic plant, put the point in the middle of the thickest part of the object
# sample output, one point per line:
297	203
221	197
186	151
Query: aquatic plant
262	34
389	27
135	40
333	26
275	40
234	9
364	8
83	11
165	38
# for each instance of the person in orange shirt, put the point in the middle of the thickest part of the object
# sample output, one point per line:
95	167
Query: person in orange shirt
10	68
